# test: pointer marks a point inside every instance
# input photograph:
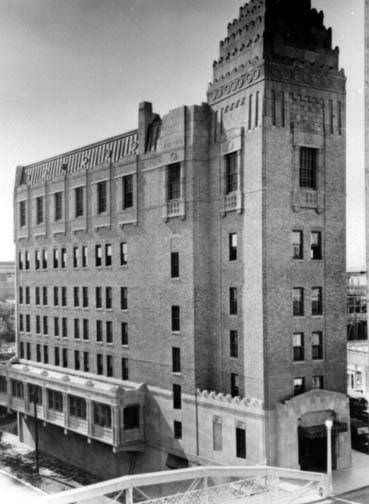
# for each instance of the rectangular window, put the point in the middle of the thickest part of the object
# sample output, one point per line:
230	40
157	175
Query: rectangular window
37	296
176	319
46	354
233	343
38	324
127	190
17	389
21	325
298	301
39	210
317	382
38	353
131	417
85	297
55	258
20	260
174	265
84	256
232	246
174	182
233	301
63	257
75	257
20	295
56	327
28	295
27	261
297	245
55	400
176	360
58	206
77	407
98	294
22	213
28	348
65	327
124	333
123	254
177	396
231	172
76	329
77	362
56	356
21	348
86	364
308	167
99	330
123	298
102	201
56	296
217	434
109	331
108	298
85	329
298	386
316	245
35	394
65	357
316	301
235	385
125	371
102	415
108	254
78	198
28	323
250	111
99	364
298	347
177	429
317	345
44	296
44	259
76	296
240	442
109	365
98	255
64	296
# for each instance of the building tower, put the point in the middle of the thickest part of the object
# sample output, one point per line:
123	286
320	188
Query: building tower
204	251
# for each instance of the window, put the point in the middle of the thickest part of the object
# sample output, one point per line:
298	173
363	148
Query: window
64	296
123	298
177	429
109	331
85	329
20	260
28	323
98	255
177	396
124	333
99	364
108	298
99	330
63	257
37	296
45	324
174	181
174	264
297	245
108	254
21	325
65	357
57	356
46	354
232	244
56	296
102	415
250	111
317	382
55	258
56	327
235	385
298	385
298	347
125	371
109	365
308	167
98	293
65	327
22	213
38	324
3	385
55	400
75	257
28	295
77	407
85	297
21	348
317	345
78	197
77	363
127	187
240	442
17	389
101	197
316	246
217	434
76	329
131	417
233	300
123	254
176	325
20	295
298	301
44	259
28	349
58	206
316	301
35	394
231	172
233	343
176	360
76	296
86	365
38	353
39	210
27	262
84	256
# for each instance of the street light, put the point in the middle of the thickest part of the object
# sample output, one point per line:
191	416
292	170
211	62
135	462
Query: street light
329	425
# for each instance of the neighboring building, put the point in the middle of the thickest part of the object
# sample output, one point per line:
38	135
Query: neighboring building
356	305
358	369
7	281
203	251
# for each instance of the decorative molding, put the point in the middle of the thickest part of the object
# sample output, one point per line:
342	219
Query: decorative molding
248	402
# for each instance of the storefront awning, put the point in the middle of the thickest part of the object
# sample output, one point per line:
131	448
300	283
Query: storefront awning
319	431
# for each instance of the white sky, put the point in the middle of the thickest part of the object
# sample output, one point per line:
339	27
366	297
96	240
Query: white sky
74	71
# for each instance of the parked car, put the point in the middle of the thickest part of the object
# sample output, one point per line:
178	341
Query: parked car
359	408
360	435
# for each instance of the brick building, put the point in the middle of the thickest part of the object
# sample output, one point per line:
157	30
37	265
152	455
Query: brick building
181	287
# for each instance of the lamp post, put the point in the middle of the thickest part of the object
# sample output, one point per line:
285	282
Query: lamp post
329	425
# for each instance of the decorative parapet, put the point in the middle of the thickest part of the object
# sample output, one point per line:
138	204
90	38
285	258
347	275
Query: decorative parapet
307	199
221	399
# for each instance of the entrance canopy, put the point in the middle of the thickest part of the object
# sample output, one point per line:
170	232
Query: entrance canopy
319	431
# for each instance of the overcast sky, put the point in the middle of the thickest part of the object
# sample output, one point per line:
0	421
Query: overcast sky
74	71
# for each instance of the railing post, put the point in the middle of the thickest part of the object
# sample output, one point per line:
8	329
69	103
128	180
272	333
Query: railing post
206	490
129	495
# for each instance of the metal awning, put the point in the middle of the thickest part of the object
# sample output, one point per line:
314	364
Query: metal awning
320	431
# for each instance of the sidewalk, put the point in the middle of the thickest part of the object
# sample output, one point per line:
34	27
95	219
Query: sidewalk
355	477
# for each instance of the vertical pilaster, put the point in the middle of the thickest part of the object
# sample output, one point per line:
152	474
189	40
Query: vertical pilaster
89	415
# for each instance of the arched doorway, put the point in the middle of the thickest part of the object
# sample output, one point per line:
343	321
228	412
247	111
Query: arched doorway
312	441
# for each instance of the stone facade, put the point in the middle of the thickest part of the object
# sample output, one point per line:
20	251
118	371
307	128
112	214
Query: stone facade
188	183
